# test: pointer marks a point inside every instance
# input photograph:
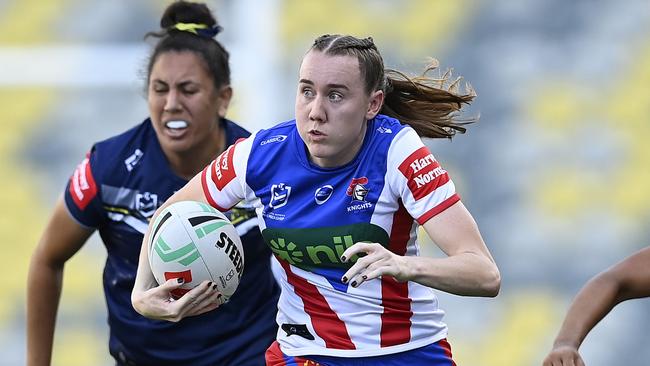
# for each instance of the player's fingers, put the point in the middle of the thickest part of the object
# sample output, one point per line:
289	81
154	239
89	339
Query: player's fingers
357	248
373	270
205	306
194	295
172	284
580	362
358	267
209	296
208	307
555	362
375	273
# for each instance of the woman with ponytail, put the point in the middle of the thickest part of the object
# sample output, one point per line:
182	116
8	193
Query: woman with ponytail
116	189
340	192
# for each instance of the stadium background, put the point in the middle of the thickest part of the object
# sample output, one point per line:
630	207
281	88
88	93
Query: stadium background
554	172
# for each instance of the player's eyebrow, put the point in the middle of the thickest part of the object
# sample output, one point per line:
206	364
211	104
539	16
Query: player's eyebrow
331	86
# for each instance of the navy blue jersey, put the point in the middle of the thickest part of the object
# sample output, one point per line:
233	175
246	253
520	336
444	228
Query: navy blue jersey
116	189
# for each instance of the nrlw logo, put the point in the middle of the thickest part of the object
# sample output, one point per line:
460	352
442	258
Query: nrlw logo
146	203
309	248
279	195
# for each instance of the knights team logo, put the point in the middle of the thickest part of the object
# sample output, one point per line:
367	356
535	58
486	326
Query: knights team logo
146	203
279	195
359	193
358	190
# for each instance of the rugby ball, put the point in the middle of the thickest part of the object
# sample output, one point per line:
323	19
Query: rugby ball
196	242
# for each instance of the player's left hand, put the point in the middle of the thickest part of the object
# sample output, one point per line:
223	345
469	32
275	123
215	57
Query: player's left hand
377	262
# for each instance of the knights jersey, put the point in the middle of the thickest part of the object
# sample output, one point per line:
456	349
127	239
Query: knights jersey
309	215
116	189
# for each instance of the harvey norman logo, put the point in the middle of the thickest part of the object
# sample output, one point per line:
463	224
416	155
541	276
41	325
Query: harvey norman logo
272	139
423	173
424	178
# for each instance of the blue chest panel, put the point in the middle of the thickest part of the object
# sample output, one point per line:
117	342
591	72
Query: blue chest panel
313	214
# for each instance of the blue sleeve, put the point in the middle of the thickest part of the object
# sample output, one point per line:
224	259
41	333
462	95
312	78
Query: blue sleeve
82	195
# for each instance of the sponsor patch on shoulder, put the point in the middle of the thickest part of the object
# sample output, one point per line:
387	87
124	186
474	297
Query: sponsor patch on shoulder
82	185
423	173
223	170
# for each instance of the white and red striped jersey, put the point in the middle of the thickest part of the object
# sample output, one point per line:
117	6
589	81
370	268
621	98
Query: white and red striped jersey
309	215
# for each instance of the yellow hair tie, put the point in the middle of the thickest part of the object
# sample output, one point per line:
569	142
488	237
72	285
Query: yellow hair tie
189	27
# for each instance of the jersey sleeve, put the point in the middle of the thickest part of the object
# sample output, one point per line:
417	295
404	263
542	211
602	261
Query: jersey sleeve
224	180
82	195
417	177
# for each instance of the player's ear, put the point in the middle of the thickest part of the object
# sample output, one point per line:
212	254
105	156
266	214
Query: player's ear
223	99
375	103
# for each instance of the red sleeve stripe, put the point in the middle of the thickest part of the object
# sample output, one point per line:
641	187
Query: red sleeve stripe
325	321
223	170
206	190
439	208
213	170
396	318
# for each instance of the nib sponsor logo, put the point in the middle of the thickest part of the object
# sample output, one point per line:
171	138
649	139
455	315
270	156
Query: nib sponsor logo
423	173
321	248
329	252
287	252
